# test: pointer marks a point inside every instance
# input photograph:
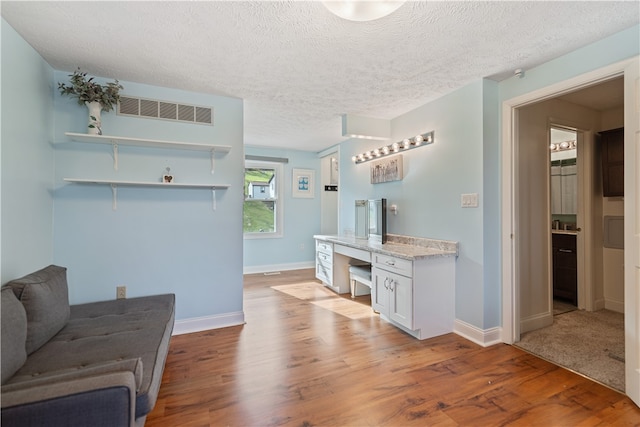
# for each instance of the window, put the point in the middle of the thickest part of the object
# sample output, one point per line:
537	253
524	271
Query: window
262	213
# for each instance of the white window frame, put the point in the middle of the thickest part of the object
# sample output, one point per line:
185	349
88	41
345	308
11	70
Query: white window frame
278	199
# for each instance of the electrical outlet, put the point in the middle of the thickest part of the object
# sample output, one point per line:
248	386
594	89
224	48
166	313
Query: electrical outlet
302	246
121	292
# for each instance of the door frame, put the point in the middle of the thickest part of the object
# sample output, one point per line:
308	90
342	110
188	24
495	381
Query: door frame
510	290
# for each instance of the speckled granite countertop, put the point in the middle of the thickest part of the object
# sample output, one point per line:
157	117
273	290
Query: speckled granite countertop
405	247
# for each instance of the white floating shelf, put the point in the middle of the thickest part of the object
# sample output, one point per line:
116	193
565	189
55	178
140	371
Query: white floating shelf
143	142
116	183
115	141
145	183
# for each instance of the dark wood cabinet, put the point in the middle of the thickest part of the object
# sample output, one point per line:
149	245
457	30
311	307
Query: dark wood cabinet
565	267
612	143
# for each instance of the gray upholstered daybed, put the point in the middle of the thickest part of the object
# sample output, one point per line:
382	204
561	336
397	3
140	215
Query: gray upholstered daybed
96	364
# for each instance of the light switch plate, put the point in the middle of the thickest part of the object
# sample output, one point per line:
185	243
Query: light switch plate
469	200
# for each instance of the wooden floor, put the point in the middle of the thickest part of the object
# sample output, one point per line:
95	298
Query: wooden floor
307	357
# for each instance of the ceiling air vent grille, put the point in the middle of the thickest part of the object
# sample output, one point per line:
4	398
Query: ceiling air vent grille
163	110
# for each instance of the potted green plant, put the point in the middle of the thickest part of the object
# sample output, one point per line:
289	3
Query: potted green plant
95	96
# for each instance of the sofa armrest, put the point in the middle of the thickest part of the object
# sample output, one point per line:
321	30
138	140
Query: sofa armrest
103	400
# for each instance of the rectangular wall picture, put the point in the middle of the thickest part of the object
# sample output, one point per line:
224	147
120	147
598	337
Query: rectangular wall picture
303	183
386	170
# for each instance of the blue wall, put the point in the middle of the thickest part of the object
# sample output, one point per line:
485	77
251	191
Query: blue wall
301	220
158	240
27	158
428	198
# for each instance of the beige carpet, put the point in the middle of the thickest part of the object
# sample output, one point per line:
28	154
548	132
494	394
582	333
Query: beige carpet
591	343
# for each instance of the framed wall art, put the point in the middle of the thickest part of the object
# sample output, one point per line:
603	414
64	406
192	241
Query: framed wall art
303	183
386	170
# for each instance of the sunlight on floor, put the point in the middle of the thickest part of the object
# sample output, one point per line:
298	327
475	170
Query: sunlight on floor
324	298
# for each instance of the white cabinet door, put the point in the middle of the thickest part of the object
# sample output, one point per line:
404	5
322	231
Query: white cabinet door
379	291
392	296
400	299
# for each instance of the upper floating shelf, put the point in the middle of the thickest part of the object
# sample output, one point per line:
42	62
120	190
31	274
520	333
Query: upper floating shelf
143	142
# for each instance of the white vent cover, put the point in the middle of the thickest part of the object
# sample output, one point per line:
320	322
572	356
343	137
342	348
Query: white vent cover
155	109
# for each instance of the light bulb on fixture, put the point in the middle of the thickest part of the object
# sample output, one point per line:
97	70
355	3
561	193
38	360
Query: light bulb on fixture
406	144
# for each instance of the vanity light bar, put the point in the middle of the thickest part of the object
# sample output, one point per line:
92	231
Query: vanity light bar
404	145
564	145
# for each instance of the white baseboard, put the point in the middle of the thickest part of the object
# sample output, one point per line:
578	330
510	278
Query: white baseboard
483	337
278	267
614	305
197	324
536	322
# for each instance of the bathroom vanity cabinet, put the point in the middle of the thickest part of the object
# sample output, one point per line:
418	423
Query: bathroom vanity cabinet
412	286
565	267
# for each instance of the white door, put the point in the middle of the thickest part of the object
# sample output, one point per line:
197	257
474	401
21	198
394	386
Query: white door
632	229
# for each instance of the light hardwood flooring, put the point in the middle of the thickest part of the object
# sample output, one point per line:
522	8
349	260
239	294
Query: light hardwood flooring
308	357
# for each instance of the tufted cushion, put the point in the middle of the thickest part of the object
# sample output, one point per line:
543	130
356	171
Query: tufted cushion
45	297
14	334
109	334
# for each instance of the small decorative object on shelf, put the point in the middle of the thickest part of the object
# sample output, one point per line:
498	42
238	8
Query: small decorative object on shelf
167	178
95	96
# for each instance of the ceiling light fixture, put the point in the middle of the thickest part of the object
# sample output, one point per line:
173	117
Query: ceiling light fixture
362	10
405	145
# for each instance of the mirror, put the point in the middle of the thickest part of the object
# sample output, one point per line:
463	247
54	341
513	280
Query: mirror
362	227
371	220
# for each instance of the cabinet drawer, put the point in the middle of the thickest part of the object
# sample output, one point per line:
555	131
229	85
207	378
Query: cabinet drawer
564	241
324	247
324	273
353	253
389	263
324	258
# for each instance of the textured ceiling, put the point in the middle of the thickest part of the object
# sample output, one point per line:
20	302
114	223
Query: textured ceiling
297	66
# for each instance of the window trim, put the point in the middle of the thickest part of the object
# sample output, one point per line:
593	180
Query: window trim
278	199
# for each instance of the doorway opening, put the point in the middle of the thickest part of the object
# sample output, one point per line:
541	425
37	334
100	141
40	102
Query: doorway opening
526	230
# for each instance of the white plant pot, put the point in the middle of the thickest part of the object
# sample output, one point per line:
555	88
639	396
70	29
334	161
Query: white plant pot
95	124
